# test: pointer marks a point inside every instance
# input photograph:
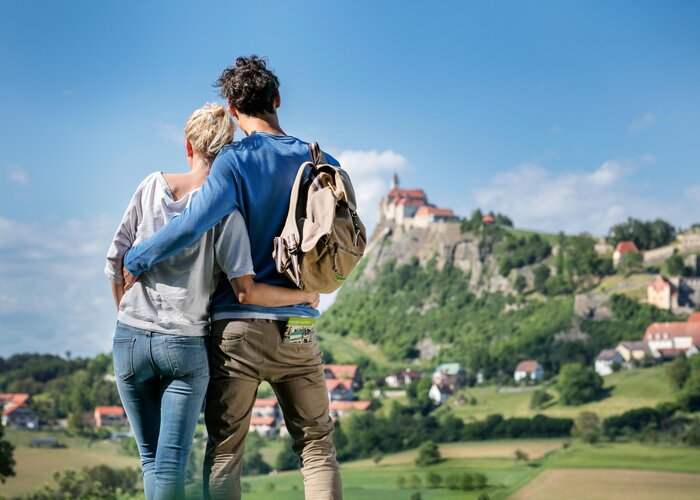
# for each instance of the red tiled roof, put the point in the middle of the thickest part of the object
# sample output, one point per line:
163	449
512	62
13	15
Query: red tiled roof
660	283
637	345
694	318
626	246
671	353
488	219
674	329
440	212
411	203
349	405
12	401
408	193
527	366
342	371
333	384
262	421
265	402
109	410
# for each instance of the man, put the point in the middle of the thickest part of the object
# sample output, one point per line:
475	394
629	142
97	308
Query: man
251	343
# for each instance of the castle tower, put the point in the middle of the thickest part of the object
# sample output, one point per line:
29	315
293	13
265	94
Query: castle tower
395	181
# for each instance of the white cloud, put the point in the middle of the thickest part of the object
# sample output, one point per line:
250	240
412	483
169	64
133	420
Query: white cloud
371	173
592	201
642	123
171	133
18	175
53	296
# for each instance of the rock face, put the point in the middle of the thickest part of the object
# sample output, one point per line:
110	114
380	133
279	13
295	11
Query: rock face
442	241
594	306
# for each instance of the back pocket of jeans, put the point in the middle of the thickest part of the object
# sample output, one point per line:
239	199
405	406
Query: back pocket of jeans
123	353
188	356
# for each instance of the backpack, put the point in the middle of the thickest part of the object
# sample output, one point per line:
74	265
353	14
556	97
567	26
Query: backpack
323	238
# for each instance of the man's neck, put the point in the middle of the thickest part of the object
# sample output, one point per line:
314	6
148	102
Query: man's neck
267	123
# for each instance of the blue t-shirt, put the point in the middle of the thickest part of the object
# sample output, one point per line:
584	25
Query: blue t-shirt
254	176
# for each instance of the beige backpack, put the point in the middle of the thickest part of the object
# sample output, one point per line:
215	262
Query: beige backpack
323	238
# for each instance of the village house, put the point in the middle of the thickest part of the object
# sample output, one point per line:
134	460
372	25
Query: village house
339	409
109	416
402	378
606	362
407	208
662	294
447	379
668	340
265	416
342	381
621	250
16	412
339	390
631	351
528	369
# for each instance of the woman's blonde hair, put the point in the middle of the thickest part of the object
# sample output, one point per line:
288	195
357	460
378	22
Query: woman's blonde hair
209	129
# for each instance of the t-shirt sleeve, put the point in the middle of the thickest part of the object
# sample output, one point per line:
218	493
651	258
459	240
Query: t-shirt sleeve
232	247
124	237
218	198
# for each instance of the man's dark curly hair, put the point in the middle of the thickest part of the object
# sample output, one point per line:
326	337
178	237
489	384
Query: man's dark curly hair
249	86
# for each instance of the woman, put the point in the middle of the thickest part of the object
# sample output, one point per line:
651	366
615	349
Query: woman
160	344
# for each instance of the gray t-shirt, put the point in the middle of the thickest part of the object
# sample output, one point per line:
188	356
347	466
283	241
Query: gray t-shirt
173	297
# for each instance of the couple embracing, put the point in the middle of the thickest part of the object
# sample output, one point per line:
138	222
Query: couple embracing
193	325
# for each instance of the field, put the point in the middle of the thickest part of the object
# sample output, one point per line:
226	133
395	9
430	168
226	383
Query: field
627	389
619	470
35	465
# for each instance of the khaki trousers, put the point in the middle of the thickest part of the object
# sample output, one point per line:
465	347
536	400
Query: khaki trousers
245	352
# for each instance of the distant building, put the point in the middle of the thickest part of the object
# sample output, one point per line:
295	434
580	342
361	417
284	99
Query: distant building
344	372
662	294
109	415
402	378
447	379
265	417
339	390
688	292
438	393
16	412
264	426
529	369
636	350
488	220
339	409
406	208
668	340
606	361
622	249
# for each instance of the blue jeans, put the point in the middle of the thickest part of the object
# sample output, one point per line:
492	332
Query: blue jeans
162	380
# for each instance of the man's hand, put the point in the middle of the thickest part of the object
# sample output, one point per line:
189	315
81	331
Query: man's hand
129	279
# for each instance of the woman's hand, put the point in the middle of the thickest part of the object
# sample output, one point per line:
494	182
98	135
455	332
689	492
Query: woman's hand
314	299
129	279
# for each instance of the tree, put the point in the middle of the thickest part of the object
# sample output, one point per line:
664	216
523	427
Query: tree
287	459
578	384
587	427
542	274
540	398
433	480
7	461
428	454
678	371
401	482
521	456
646	235
520	283
675	265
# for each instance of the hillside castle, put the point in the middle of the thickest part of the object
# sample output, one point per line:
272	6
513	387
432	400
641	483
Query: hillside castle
408	208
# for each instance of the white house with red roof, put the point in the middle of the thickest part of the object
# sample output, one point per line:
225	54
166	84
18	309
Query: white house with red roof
339	409
528	369
408	208
622	249
606	361
265	417
344	372
662	294
109	415
668	340
16	411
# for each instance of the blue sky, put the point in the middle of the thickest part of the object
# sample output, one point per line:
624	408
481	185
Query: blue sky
564	115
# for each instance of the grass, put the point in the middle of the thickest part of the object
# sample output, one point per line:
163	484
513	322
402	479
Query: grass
348	349
34	466
634	285
628	389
